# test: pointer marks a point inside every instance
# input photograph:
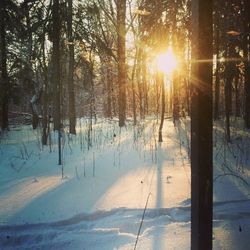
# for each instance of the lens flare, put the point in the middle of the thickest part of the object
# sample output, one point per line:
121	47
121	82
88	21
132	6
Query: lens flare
167	62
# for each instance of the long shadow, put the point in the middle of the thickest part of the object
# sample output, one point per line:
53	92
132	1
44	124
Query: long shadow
68	186
52	200
157	244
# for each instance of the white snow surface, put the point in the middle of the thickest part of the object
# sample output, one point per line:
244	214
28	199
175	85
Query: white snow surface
106	187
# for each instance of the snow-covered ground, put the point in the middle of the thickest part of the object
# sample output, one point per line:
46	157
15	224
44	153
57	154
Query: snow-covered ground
124	190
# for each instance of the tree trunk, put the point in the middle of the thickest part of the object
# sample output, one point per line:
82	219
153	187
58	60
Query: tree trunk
217	82
227	106
247	95
109	89
72	113
229	75
247	66
121	15
175	98
161	80
133	88
45	120
139	81
56	58
201	127
237	96
217	77
4	76
144	83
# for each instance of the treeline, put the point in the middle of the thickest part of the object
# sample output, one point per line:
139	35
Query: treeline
63	59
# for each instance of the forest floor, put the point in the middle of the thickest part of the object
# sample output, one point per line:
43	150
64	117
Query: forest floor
110	178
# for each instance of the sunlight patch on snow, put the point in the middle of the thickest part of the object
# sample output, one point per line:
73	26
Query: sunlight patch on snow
159	182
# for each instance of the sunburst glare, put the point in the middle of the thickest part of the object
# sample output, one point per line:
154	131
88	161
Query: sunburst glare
167	62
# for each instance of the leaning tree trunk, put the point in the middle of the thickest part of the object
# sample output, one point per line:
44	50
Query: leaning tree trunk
4	96
121	15
71	91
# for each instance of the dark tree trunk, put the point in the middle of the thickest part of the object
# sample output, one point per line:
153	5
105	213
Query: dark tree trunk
201	127
45	120
247	95
228	87
4	74
216	51
109	89
229	75
72	113
237	96
161	81
56	58
217	92
217	78
121	15
187	95
175	98
247	66
144	84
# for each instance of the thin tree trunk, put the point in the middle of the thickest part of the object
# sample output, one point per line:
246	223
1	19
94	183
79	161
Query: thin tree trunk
144	84
229	75
237	97
45	120
133	88
121	15
4	76
217	92
247	66
227	106
139	81
161	80
175	98
109	89
72	113
56	57
217	83
247	95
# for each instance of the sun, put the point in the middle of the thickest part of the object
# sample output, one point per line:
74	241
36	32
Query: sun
167	62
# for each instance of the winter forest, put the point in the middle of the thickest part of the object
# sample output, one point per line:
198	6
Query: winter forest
125	124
